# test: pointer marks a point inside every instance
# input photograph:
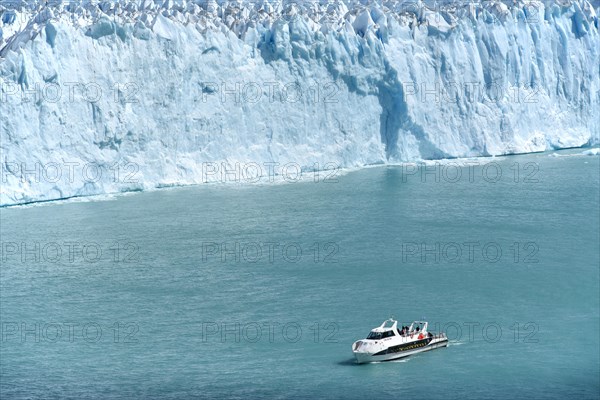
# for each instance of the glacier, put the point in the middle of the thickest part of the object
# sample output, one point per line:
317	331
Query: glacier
103	97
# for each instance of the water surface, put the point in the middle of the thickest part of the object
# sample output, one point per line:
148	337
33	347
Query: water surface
165	294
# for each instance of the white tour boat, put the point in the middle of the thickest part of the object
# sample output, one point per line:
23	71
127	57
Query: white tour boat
388	342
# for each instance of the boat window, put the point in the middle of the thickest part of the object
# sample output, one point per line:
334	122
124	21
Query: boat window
387	334
380	335
374	335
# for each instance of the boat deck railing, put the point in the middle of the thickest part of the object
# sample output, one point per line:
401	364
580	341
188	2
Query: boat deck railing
435	336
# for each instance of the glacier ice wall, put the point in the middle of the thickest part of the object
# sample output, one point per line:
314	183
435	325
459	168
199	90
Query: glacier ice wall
101	97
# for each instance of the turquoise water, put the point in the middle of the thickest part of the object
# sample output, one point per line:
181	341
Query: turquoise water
165	294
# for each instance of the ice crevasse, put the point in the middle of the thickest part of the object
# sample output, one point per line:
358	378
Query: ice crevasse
102	97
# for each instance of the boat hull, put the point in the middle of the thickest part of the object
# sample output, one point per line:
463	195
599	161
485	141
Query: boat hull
401	352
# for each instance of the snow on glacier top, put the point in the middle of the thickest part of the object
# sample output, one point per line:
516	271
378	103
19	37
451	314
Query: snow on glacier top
21	20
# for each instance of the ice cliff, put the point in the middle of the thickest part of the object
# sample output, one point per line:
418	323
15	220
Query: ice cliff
109	96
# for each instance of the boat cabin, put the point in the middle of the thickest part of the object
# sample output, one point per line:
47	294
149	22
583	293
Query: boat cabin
389	328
